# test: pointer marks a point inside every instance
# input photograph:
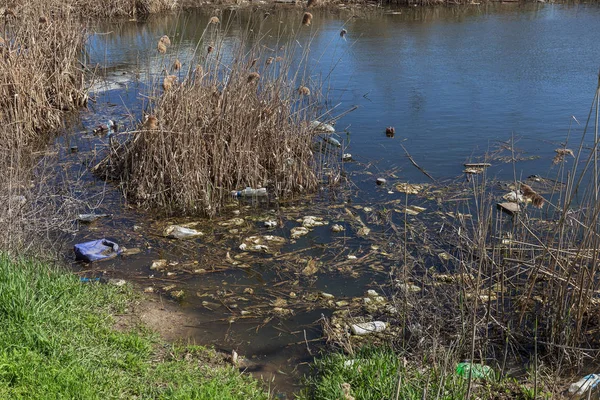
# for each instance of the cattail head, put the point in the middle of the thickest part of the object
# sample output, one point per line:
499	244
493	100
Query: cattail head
269	61
164	39
213	20
169	81
304	91
43	19
253	77
161	47
307	18
311	3
177	65
209	49
253	62
390	131
343	33
151	122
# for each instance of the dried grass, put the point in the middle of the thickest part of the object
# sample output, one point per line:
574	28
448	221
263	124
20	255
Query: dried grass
40	79
228	125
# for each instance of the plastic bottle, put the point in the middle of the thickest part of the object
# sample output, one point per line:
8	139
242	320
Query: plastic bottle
249	192
586	383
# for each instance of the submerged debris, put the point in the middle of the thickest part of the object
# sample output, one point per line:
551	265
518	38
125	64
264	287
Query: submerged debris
321	127
262	244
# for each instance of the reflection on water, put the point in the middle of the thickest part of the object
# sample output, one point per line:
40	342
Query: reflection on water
453	81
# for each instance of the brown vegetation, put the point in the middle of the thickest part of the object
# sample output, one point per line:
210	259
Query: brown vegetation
219	133
40	79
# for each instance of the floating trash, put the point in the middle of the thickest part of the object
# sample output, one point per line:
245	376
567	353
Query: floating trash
409	188
321	127
298	232
181	232
96	250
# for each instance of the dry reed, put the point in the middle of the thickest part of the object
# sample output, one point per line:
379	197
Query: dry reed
219	133
40	79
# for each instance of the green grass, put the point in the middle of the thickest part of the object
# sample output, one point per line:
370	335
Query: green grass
374	375
57	341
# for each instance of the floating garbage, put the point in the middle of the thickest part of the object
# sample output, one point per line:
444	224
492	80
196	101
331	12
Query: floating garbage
270	224
157	265
346	157
117	282
477	371
366	328
74	149
181	232
337	228
509	208
310	222
514	197
380	181
321	127
298	231
586	383
96	250
409	188
91	217
249	192
262	244
332	141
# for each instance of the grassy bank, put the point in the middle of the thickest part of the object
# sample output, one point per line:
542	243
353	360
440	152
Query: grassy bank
57	341
374	373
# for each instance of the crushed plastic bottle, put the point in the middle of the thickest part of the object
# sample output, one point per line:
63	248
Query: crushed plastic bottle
478	371
332	141
586	383
248	192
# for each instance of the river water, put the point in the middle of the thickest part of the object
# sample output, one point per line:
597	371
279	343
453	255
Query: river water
455	82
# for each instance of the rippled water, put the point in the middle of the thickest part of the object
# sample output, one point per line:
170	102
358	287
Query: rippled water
454	82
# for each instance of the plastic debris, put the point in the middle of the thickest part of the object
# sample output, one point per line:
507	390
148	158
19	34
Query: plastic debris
332	141
96	250
321	127
117	282
477	371
310	222
509	208
270	224
380	181
91	217
346	157
409	188
586	383
337	228
157	265
298	231
249	192
181	232
366	328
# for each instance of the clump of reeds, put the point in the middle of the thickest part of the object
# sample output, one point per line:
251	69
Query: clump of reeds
219	132
40	79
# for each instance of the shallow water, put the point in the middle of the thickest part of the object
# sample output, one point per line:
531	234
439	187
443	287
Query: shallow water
455	82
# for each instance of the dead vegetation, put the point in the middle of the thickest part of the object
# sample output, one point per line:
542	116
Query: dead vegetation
40	79
236	119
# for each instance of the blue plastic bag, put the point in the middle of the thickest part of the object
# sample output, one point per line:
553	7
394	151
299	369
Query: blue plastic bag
96	250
